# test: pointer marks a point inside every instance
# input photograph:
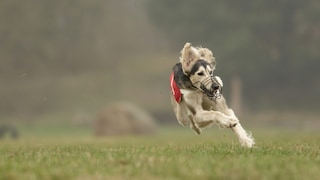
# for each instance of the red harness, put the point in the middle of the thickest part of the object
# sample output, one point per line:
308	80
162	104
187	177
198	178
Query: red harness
174	88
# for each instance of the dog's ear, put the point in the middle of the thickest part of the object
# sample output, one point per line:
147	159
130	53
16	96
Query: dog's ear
189	56
207	55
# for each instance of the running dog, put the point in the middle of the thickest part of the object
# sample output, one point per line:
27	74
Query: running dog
197	94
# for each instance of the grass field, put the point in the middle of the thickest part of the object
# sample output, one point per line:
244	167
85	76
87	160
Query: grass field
174	153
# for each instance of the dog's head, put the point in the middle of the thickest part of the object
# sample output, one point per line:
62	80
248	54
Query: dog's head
198	64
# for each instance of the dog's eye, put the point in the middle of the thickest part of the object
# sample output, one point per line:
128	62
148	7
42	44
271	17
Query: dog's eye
200	73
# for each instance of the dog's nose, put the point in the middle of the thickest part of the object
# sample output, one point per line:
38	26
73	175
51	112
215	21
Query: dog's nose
215	86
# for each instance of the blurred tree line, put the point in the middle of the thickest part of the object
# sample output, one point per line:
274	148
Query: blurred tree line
272	45
68	56
68	36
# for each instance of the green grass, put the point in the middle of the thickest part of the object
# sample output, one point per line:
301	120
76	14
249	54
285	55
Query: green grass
171	154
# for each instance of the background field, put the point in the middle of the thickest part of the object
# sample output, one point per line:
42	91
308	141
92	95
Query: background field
174	153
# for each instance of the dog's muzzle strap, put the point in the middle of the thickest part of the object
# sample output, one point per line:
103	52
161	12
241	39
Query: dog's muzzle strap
217	93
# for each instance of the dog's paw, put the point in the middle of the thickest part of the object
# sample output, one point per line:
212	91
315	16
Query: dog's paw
233	122
229	122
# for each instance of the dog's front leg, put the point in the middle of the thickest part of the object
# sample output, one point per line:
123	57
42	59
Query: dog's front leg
206	118
245	138
202	118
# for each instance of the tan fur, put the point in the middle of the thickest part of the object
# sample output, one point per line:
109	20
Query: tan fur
189	56
207	55
197	110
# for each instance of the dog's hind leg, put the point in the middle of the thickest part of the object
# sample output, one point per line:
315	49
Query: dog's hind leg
181	112
194	126
184	116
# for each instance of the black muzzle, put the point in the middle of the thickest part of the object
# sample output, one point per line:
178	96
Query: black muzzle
215	91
